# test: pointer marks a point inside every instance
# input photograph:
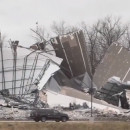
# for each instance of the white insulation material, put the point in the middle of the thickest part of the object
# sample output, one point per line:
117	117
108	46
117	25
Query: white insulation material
55	99
48	73
114	79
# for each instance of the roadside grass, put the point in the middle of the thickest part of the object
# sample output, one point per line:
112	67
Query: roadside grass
65	126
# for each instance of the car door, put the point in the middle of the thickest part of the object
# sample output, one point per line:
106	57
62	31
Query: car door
49	114
56	114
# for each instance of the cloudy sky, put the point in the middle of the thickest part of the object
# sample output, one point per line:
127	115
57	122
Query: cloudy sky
18	16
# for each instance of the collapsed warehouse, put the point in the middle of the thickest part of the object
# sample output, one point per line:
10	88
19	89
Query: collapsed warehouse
36	77
23	69
26	71
112	77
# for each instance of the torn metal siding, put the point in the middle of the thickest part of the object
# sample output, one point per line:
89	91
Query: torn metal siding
115	63
60	80
72	49
30	68
114	93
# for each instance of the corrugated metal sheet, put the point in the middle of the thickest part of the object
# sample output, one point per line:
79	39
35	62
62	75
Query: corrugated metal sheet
60	80
115	63
72	49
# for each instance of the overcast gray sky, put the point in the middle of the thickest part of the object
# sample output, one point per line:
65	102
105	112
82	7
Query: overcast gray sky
18	16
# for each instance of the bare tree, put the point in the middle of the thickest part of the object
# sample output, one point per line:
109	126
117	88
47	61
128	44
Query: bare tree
41	37
59	28
40	34
125	41
72	29
100	36
110	29
62	28
91	36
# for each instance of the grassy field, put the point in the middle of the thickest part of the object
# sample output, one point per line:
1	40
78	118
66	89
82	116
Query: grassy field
65	126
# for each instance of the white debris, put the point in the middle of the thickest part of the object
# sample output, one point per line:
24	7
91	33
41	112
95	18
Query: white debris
128	82
114	79
56	99
128	95
2	102
120	50
71	36
126	75
48	73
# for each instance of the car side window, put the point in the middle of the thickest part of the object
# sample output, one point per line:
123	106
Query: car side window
55	111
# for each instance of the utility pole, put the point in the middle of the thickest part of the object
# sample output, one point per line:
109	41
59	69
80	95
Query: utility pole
2	62
91	83
91	96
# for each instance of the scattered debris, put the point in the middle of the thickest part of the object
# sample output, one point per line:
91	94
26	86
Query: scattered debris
114	92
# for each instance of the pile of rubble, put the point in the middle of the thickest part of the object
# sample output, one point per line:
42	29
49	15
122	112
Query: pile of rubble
17	111
82	113
13	114
14	108
85	114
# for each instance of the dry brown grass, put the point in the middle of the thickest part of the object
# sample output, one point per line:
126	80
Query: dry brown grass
65	126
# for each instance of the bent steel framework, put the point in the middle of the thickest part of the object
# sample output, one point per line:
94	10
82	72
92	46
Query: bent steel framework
21	69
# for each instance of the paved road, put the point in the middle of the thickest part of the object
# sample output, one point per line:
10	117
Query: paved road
31	121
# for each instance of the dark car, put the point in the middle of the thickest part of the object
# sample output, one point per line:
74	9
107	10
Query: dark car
48	114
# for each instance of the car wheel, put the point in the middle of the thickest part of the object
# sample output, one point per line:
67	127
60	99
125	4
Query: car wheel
37	120
43	119
64	119
57	120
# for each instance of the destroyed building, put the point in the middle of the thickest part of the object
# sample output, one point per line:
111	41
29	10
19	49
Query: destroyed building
36	71
26	70
75	69
21	69
116	62
112	77
72	49
76	66
71	78
115	92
